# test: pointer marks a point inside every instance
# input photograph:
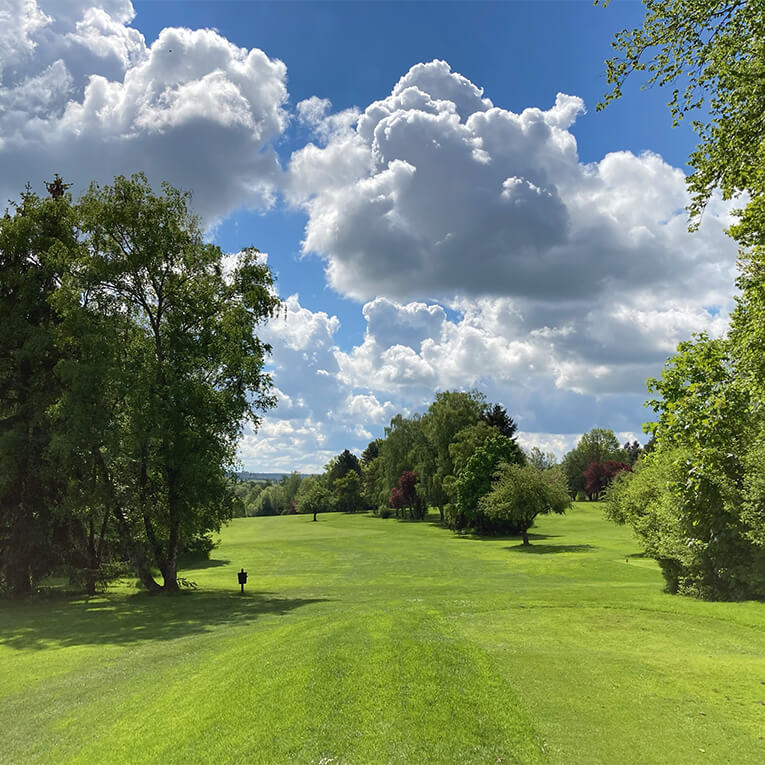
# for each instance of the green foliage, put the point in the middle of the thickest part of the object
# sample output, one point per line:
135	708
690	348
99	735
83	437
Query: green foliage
712	52
450	412
199	547
34	240
710	395
466	441
339	466
598	445
314	496
645	500
522	492
695	499
475	479
371	480
539	459
498	418
404	443
190	369
140	360
347	492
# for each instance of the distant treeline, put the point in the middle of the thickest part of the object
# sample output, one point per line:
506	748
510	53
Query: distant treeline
461	459
246	475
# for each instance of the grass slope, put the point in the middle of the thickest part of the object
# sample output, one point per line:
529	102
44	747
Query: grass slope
367	641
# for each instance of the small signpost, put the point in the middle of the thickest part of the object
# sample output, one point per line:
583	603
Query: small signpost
242	579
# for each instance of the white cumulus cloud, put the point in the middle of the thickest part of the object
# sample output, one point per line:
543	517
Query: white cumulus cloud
437	192
82	94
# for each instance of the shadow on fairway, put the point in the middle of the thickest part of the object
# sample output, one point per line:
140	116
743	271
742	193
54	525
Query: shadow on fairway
119	619
504	537
548	549
192	565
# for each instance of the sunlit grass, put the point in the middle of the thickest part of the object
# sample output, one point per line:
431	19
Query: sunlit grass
367	641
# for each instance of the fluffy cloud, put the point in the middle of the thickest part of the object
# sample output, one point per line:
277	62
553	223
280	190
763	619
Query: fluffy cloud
319	413
553	382
82	94
437	192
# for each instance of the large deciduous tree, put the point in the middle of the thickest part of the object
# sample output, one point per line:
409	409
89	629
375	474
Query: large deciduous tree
474	481
449	412
599	475
597	445
522	492
404	496
705	515
189	370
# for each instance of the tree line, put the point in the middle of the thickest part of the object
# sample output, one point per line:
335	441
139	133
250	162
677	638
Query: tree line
697	501
129	362
460	458
352	484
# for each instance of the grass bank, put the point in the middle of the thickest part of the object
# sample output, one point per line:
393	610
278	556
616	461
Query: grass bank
367	641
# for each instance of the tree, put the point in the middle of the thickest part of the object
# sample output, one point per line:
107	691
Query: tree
404	442
713	54
191	365
314	496
598	445
346	492
632	451
598	475
695	500
372	452
539	459
474	480
404	495
498	418
291	485
450	412
466	441
339	466
522	492
33	242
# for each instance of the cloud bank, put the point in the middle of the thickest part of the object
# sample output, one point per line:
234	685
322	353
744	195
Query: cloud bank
82	94
434	191
482	251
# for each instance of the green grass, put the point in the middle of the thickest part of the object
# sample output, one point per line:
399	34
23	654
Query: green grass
368	641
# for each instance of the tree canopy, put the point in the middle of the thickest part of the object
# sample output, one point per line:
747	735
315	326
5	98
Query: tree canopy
712	54
148	351
696	499
522	492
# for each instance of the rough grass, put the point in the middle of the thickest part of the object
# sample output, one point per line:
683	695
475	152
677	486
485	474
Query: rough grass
360	640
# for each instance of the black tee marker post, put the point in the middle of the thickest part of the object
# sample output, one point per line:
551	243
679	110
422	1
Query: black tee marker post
242	579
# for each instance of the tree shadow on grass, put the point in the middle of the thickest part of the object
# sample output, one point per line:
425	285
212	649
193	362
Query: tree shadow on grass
550	549
124	619
190	564
504	537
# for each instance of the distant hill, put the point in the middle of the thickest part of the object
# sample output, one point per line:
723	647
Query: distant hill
246	475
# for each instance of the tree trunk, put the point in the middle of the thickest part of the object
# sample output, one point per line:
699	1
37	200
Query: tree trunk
19	580
133	550
90	575
525	535
168	565
135	553
314	514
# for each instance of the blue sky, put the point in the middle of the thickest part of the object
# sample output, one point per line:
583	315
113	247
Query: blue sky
520	53
437	214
